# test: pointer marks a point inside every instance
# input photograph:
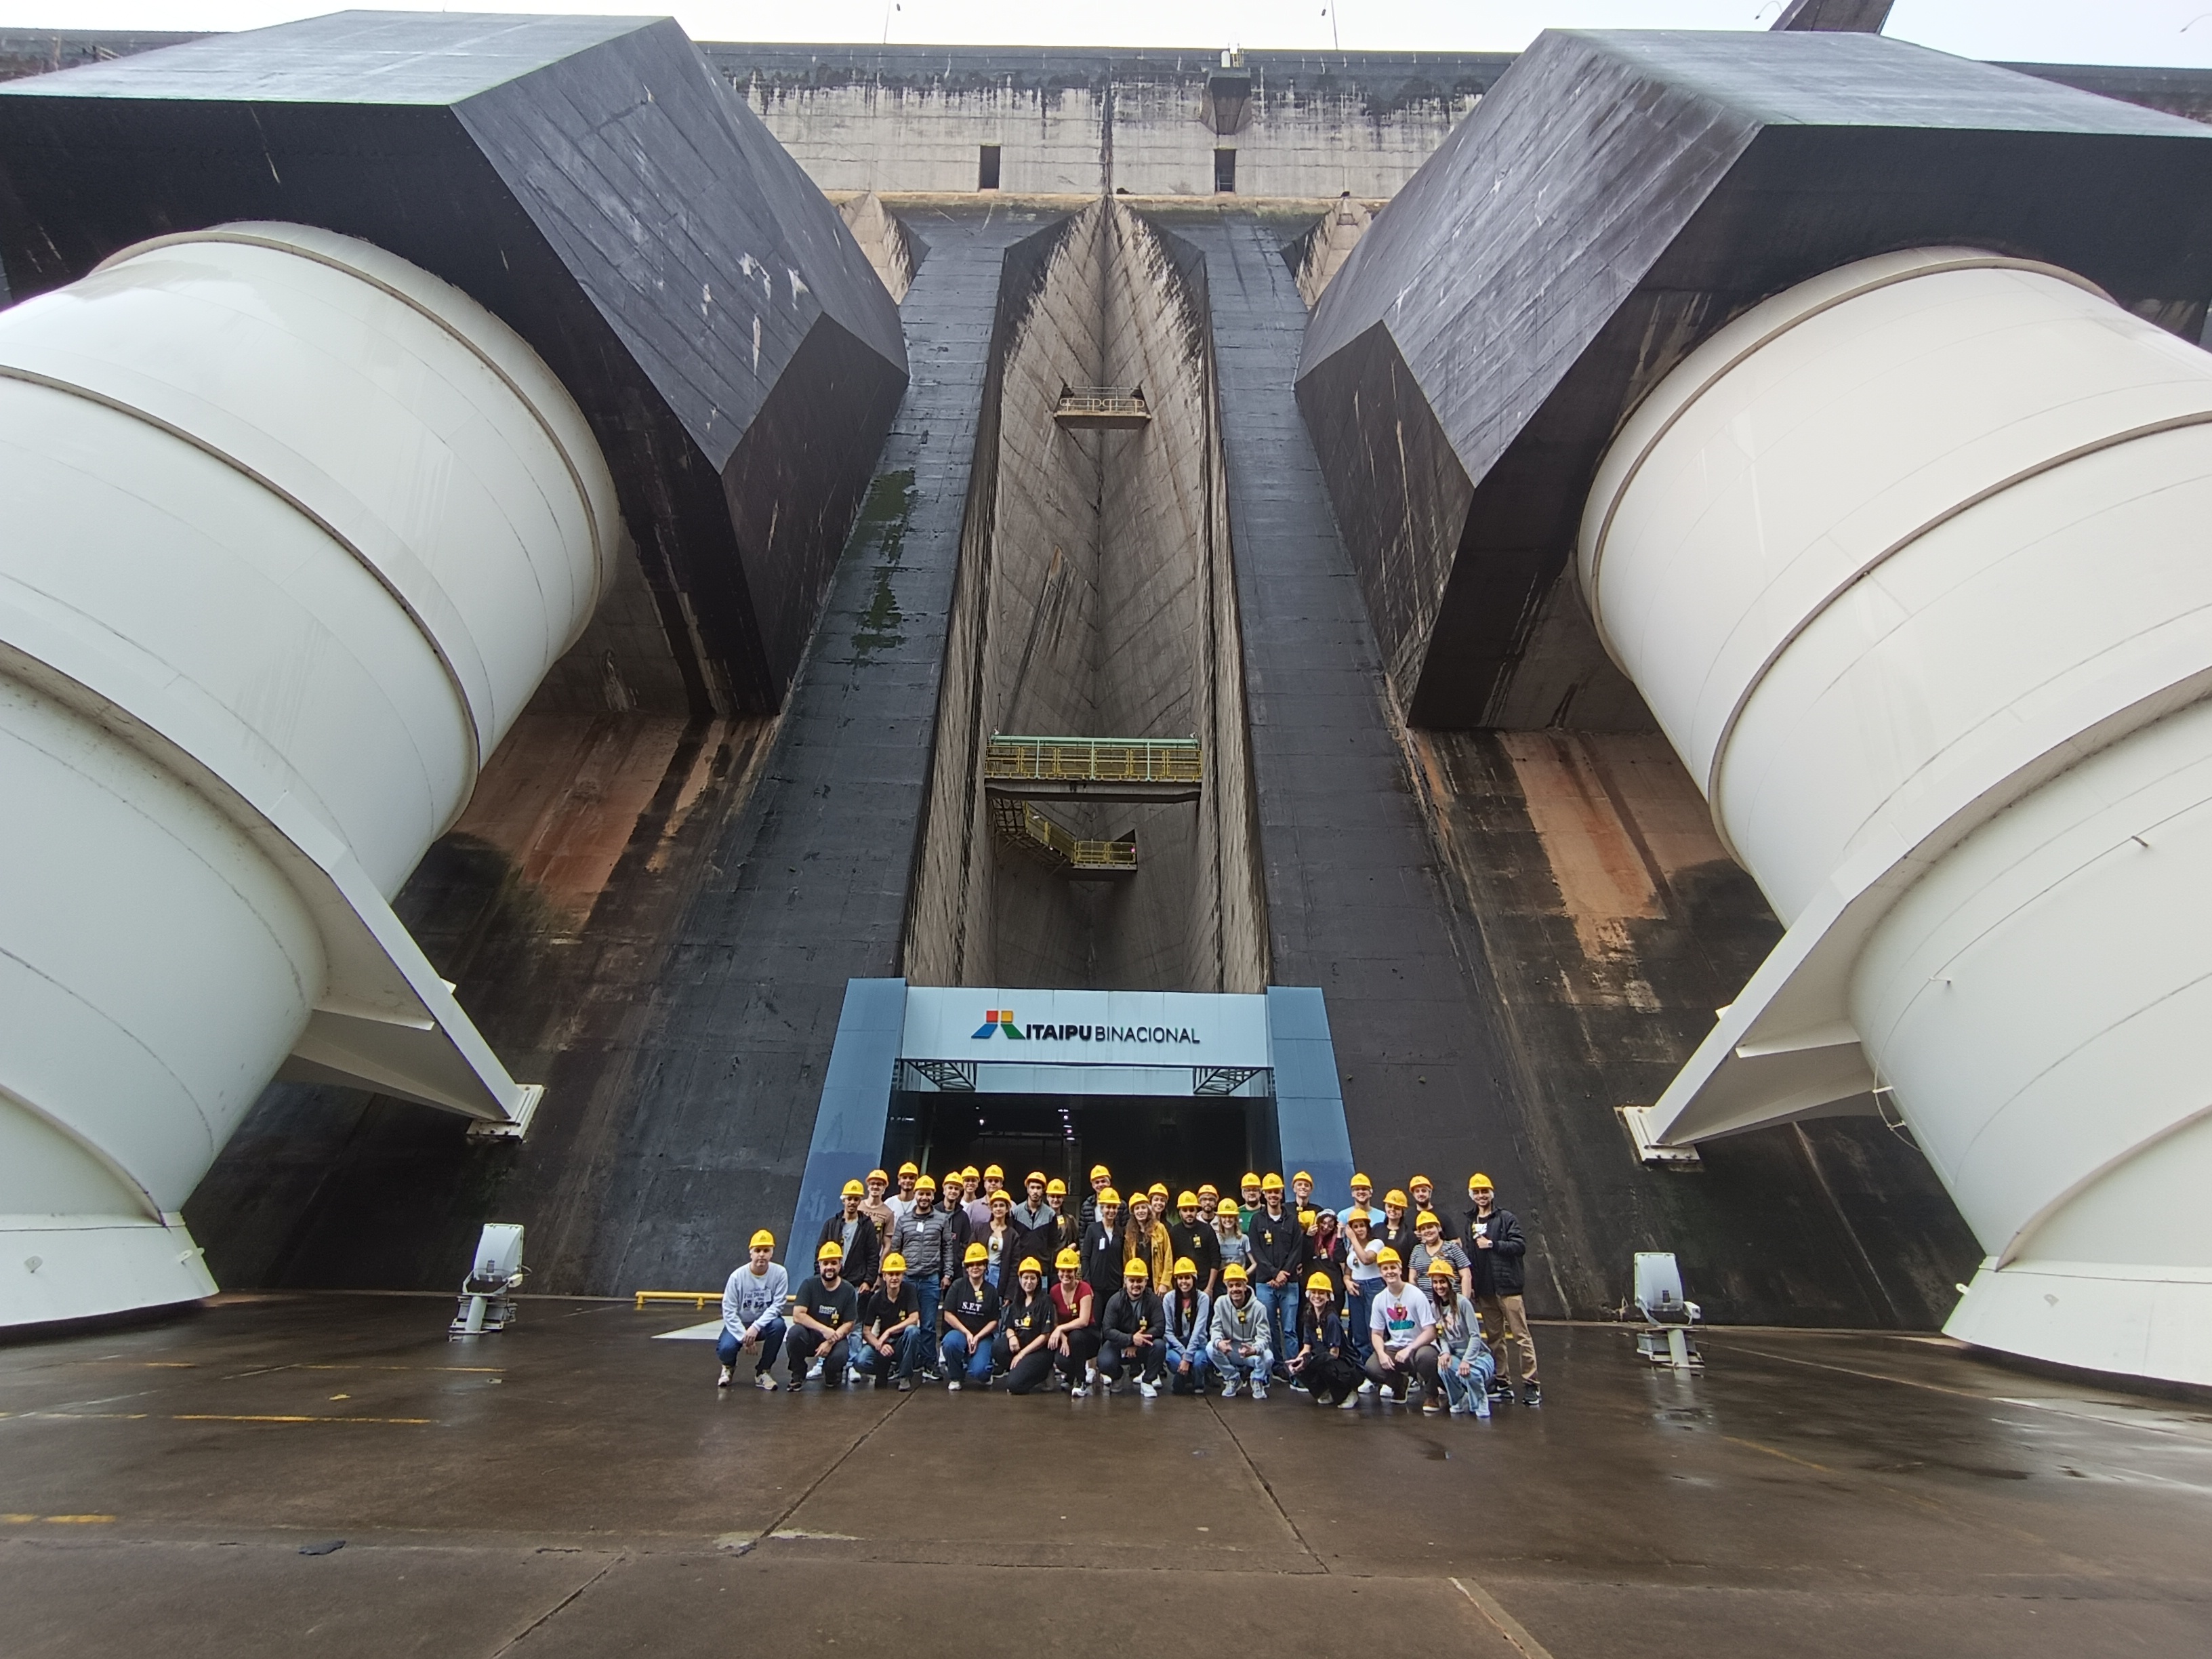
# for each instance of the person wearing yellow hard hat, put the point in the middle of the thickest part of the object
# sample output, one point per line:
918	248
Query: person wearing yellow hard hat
1000	1239
1189	1234
903	1200
1104	1250
1423	1191
924	1237
856	1237
1025	1323
1230	1244
1129	1336
978	1205
1323	1366
1145	1238
1162	1208
1036	1223
890	1326
1301	1189
1101	1179
1187	1315
1209	1201
752	1314
1238	1350
1432	1246
1500	1255
1402	1334
876	1205
1464	1363
1363	1281
1066	1224
971	1319
1074	1339
1248	1185
1398	1223
1278	1252
1363	1199
993	1179
824	1314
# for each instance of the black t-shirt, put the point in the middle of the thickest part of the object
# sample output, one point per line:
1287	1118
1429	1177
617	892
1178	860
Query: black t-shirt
886	1309
973	1305
830	1307
1029	1317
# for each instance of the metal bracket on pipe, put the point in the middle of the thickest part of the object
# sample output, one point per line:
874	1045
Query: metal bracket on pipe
1637	1119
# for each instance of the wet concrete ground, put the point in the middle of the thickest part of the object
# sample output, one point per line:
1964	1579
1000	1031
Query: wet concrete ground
573	1487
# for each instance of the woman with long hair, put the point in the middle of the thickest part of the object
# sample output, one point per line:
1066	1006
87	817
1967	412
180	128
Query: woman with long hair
1026	1320
1363	1278
999	1239
1145	1238
1074	1342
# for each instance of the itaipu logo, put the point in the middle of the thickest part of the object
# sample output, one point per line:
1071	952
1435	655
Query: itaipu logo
1002	1019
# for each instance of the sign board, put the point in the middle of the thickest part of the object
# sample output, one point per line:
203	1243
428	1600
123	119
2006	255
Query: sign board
1041	1041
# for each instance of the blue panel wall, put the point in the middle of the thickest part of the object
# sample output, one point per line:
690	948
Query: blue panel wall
1309	1102
856	1105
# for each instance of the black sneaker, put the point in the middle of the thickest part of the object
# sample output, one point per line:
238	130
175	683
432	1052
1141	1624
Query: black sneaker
906	1385
1531	1394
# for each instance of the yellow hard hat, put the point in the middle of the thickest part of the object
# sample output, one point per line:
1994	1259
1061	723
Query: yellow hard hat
1185	1201
1227	1207
1100	1172
1234	1274
1394	1199
1108	1195
1428	1218
1036	1175
1440	1268
833	1251
1030	1265
1069	1260
1250	1178
852	1189
877	1175
1388	1257
909	1168
1422	1181
993	1172
1135	1268
927	1184
1320	1282
763	1240
1184	1264
1271	1183
1359	1181
893	1263
1209	1189
1056	1187
1303	1176
1159	1186
968	1174
1478	1182
1002	1196
974	1254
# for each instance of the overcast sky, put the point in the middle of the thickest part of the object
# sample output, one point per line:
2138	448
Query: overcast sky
2049	31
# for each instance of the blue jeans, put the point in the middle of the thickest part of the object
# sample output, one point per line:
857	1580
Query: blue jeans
930	1294
767	1346
1195	1352
1360	1308
958	1357
905	1355
1281	1302
1241	1367
1473	1389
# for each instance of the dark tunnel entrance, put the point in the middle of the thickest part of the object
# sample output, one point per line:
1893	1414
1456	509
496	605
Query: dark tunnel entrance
1181	1142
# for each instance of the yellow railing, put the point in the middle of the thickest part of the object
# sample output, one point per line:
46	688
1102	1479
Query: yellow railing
1094	760
1097	402
1022	823
696	1298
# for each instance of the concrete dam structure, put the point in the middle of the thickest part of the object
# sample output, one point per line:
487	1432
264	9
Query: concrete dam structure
611	588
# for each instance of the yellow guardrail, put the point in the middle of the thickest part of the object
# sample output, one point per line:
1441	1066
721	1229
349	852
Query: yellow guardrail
1022	822
1094	760
696	1298
1106	405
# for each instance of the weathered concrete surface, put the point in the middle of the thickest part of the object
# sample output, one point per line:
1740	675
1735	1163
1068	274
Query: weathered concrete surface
573	1486
681	1025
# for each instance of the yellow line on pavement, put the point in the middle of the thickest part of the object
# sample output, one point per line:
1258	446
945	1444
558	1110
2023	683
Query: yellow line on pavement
1508	1626
246	1417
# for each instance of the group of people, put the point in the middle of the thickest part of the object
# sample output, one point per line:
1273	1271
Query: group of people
973	1285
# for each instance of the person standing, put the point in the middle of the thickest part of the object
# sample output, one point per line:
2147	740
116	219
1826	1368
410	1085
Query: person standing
823	1316
1363	1199
1500	1268
1188	1324
1323	1364
1036	1224
890	1326
856	1235
1464	1365
1363	1282
876	1208
1278	1249
1102	1250
999	1241
1301	1198
1066	1227
978	1205
1402	1332
971	1319
1101	1179
900	1202
1398	1224
1131	1333
923	1237
1074	1340
994	1179
1025	1327
1431	1246
1230	1244
1188	1234
1144	1239
1249	1186
752	1314
1239	1350
1423	1191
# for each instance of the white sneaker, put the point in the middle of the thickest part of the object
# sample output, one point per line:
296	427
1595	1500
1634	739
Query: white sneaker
1150	1391
1228	1390
726	1374
764	1382
1259	1391
814	1369
852	1377
952	1387
1090	1372
1367	1387
1349	1403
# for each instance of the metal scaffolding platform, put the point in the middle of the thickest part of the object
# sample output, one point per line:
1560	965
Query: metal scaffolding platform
1022	827
1094	768
1102	409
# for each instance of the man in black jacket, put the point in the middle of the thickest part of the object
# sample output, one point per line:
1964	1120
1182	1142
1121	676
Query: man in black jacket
1036	1223
1499	1255
1103	1248
1192	1236
1279	1250
853	1233
1133	1332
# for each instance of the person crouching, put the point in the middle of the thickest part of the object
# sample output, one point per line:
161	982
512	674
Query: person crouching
1189	1321
1324	1362
1132	1338
1025	1327
971	1318
823	1316
890	1326
1240	1350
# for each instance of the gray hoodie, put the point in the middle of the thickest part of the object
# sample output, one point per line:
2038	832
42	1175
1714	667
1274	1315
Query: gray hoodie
1247	1324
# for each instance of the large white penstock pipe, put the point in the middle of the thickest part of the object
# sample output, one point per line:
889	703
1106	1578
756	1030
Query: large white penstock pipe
295	530
1913	564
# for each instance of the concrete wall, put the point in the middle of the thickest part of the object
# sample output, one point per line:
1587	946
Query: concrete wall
1095	598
